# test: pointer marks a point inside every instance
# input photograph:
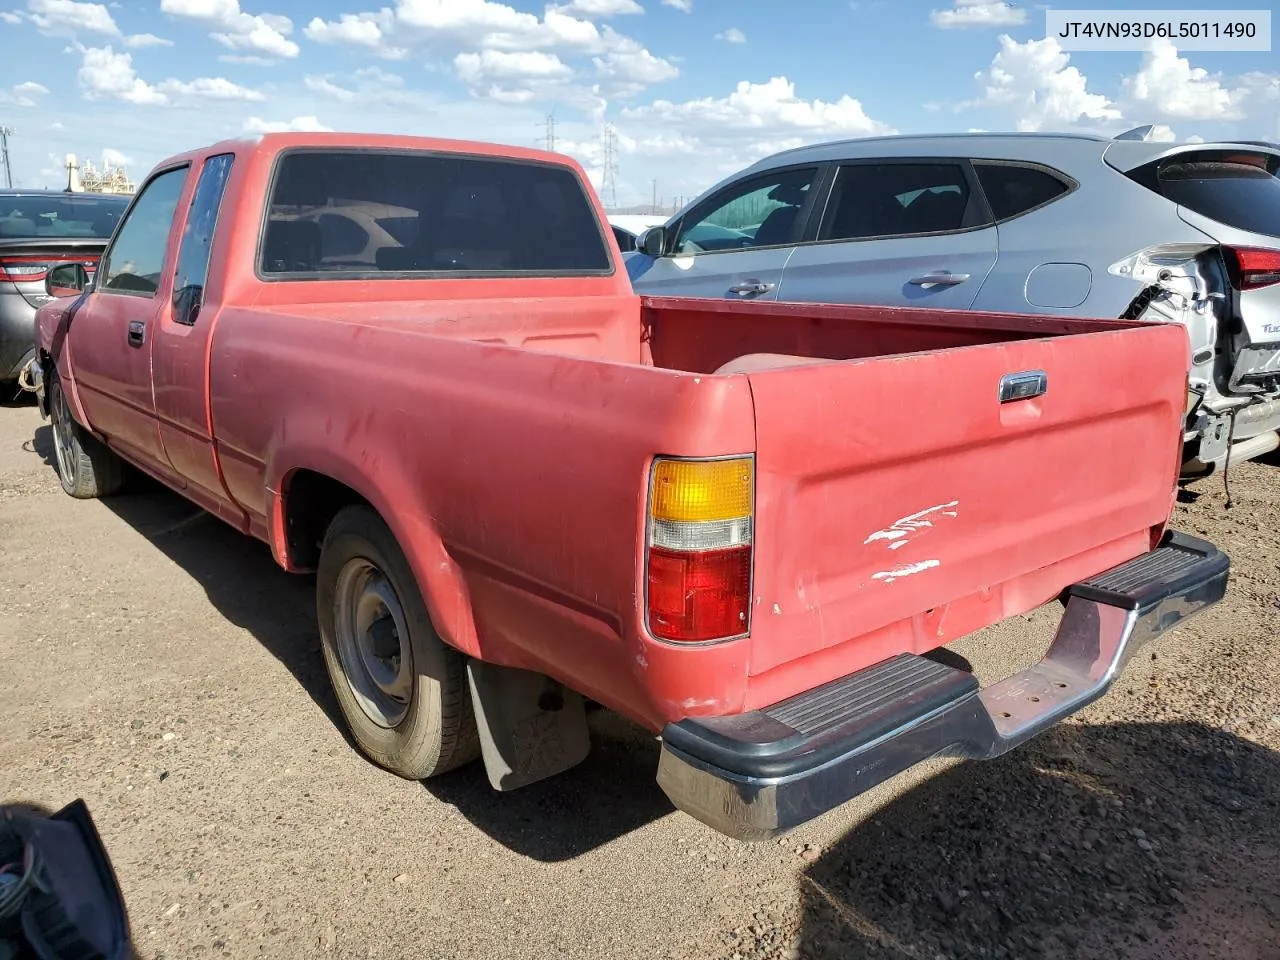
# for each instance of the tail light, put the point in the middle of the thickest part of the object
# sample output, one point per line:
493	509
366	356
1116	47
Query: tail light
699	548
24	269
1257	266
35	269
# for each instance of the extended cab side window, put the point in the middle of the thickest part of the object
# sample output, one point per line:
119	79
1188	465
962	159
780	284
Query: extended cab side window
1013	189
362	214
197	238
135	261
898	199
761	212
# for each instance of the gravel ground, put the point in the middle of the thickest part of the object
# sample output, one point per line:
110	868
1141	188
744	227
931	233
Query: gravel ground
157	664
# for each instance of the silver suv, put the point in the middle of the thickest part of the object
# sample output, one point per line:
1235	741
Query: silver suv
1074	225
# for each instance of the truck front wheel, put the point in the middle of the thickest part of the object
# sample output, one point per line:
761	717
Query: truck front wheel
86	468
403	693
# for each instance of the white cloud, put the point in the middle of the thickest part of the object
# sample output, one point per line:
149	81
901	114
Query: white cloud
22	94
107	75
601	8
114	158
732	35
684	6
378	75
979	13
628	67
1035	82
524	56
308	124
262	34
367	30
66	17
755	119
1194	138
1168	86
1163	133
10	16
210	88
139	40
489	66
371	85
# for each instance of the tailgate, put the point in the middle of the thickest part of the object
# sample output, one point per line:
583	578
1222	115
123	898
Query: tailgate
901	504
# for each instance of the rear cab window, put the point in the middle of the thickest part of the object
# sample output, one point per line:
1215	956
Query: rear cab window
197	237
1238	188
352	213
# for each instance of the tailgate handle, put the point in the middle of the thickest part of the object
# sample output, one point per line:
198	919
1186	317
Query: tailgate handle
1023	386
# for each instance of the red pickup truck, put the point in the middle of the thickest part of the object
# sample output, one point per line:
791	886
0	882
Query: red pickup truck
416	368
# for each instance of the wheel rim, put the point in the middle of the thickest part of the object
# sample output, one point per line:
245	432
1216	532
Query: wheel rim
373	642
63	440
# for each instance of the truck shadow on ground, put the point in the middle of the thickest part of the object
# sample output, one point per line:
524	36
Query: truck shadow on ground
609	795
1132	841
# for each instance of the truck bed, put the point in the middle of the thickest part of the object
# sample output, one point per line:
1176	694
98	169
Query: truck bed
899	504
917	488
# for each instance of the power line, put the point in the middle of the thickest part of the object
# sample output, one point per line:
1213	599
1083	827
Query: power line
5	134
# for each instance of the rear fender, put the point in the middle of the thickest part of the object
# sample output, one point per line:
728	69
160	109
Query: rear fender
439	579
53	324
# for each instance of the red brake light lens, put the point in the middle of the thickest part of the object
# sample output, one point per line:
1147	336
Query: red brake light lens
699	596
1258	267
35	269
23	269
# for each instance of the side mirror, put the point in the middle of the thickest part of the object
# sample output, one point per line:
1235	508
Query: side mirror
66	280
653	242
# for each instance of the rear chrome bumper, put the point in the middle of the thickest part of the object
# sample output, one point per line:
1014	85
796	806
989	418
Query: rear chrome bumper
760	774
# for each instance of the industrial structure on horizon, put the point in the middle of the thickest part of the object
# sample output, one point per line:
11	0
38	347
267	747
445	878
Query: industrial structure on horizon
86	178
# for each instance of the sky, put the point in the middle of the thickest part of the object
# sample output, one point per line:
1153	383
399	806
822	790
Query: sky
681	92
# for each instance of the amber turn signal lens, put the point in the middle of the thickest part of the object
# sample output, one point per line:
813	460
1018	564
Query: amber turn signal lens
691	491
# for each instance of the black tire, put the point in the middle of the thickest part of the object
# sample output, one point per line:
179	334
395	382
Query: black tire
86	467
437	731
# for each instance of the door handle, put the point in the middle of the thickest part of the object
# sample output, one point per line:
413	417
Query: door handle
943	279
137	333
751	286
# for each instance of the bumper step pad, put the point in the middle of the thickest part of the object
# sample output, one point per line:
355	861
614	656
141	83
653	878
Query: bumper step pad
759	774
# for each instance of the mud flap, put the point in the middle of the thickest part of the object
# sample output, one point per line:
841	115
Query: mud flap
531	727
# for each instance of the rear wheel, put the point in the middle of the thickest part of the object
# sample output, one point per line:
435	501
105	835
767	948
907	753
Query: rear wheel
402	691
86	467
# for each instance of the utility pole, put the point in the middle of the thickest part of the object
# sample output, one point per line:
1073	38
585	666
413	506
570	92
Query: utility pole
550	125
609	173
654	208
5	134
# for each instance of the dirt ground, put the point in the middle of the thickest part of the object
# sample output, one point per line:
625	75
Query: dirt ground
159	665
